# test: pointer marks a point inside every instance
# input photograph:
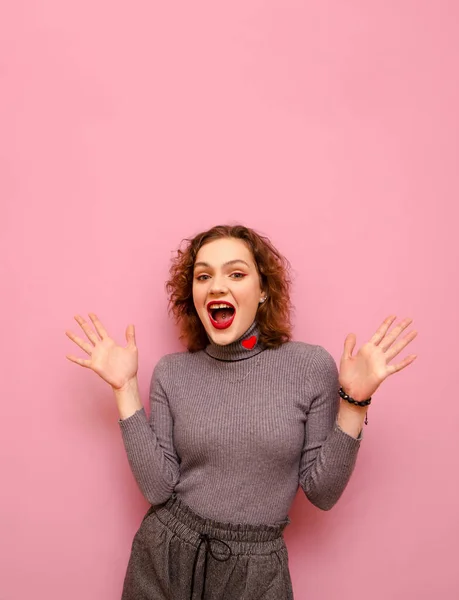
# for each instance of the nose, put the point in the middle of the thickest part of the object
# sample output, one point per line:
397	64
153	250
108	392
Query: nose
218	285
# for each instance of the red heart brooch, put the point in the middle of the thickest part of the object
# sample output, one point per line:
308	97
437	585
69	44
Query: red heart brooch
250	342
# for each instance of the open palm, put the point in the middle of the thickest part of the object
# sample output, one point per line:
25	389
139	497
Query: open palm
114	364
362	374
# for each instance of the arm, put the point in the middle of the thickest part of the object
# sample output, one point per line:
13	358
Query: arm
149	442
329	453
351	418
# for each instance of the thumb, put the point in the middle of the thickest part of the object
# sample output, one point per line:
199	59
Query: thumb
349	345
130	335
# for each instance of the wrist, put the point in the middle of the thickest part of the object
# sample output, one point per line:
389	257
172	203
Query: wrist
128	398
351	418
353	394
347	407
130	385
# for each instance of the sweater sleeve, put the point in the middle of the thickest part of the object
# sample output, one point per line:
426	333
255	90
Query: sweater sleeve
149	442
329	454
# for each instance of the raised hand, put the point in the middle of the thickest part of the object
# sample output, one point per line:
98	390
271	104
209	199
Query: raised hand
362	374
114	364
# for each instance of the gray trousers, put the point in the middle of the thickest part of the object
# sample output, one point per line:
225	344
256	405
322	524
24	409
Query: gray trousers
179	555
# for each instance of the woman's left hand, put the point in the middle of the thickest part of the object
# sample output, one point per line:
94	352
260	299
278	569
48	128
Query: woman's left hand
362	374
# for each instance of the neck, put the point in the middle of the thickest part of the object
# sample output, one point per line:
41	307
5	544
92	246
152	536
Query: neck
245	347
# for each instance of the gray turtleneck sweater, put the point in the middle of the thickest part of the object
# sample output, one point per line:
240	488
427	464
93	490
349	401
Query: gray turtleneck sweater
234	430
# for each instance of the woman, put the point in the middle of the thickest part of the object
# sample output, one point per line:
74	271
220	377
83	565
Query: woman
237	422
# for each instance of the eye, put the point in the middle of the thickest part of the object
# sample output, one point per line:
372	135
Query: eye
241	275
200	277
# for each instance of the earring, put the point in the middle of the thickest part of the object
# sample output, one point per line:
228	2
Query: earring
262	300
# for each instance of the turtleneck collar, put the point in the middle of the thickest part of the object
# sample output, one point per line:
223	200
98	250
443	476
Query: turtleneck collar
246	346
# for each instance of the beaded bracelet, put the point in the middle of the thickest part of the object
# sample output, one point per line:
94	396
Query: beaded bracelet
357	403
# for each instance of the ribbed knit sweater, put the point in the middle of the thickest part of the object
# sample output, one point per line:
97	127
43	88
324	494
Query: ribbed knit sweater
235	429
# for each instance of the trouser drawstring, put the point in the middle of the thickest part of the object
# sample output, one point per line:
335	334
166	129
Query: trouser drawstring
206	539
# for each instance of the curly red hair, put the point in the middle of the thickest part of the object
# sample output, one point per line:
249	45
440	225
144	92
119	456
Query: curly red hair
273	316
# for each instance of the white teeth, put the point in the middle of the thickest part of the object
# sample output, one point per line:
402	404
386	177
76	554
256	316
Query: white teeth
214	306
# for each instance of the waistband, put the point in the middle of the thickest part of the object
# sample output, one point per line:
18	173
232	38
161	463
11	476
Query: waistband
243	538
221	540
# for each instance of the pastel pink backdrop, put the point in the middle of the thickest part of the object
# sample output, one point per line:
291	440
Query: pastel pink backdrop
332	128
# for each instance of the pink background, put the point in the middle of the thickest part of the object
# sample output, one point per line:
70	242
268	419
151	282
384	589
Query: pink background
332	127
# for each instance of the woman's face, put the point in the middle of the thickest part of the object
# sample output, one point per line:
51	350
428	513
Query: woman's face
225	276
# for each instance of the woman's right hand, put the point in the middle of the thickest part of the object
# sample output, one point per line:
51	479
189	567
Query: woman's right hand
115	364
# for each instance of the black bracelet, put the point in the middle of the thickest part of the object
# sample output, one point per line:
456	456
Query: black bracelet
356	402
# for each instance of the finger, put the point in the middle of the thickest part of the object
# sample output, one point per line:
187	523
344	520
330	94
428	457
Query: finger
398	347
383	329
98	325
393	335
79	361
130	335
88	331
79	342
349	345
391	369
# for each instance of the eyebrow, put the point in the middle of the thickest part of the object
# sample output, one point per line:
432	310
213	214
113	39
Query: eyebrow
230	262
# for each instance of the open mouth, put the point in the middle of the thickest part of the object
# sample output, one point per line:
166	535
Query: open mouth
221	314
